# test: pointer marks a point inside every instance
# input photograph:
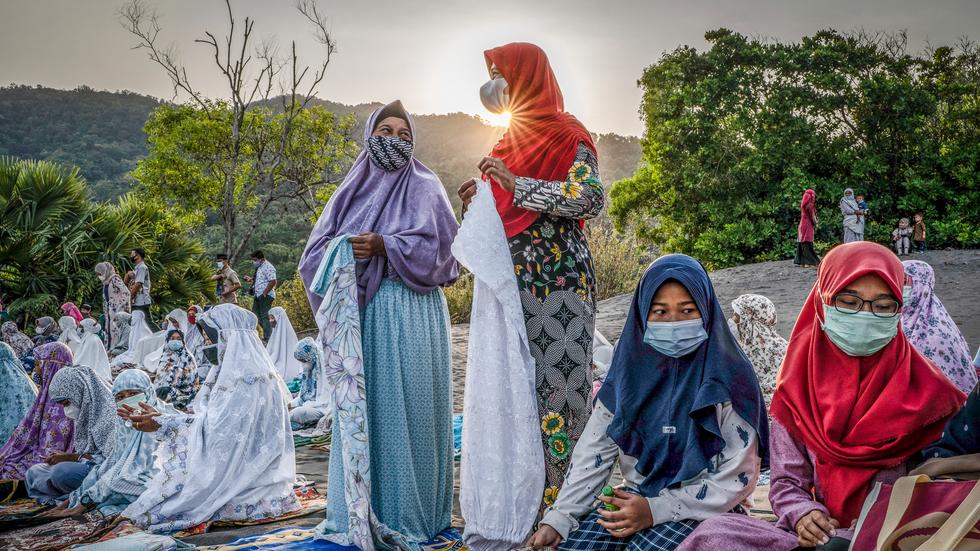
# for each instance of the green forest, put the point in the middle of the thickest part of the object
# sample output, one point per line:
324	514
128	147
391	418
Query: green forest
736	133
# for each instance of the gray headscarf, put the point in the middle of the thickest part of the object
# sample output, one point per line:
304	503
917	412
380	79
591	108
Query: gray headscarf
47	327
97	408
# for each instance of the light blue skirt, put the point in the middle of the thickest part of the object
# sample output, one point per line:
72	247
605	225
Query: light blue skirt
408	376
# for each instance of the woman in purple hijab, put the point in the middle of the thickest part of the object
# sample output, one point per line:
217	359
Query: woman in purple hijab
402	227
45	431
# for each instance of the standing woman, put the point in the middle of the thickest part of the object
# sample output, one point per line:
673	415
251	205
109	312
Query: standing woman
853	217
545	180
805	255
931	329
115	299
403	228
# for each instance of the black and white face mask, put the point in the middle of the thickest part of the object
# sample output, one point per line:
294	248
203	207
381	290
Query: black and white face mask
389	152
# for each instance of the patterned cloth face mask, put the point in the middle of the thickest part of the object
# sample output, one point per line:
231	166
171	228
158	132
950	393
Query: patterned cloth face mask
389	153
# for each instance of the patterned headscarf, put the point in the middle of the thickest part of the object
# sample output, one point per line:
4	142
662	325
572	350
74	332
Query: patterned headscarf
72	311
177	374
45	429
129	467
17	392
80	385
308	352
756	334
932	331
19	342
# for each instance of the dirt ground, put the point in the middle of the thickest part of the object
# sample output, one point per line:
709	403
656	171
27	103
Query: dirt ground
957	284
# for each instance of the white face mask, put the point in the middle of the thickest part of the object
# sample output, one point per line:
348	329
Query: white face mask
733	327
220	265
494	96
72	412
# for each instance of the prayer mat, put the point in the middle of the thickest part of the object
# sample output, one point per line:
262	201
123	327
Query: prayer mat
125	537
57	534
21	514
283	539
447	540
309	499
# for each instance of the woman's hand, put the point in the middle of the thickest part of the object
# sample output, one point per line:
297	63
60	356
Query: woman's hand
142	419
633	515
56	458
544	537
815	528
467	192
367	245
496	169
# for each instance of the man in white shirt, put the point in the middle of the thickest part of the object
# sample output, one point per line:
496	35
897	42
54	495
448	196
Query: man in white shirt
263	290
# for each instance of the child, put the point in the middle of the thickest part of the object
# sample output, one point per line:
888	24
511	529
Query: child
901	237
919	233
681	411
863	205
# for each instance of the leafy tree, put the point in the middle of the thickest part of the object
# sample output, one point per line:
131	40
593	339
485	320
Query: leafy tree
52	235
734	135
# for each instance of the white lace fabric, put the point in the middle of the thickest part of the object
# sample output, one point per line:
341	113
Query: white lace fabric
502	465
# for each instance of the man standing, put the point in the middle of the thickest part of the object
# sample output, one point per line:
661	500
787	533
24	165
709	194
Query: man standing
228	282
264	291
139	286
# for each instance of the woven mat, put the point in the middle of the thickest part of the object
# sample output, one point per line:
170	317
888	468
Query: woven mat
297	539
57	534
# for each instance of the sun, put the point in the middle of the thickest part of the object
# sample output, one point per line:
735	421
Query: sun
497	119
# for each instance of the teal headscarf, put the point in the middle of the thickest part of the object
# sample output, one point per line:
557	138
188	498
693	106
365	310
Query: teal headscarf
17	392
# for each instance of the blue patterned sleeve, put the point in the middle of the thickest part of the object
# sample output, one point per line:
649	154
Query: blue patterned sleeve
579	195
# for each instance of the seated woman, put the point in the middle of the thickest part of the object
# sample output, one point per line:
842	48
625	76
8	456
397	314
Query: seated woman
854	403
17	392
120	333
46	331
931	329
315	395
176	381
69	333
754	325
44	432
138	332
150	350
282	344
231	460
91	352
681	410
88	402
21	344
123	475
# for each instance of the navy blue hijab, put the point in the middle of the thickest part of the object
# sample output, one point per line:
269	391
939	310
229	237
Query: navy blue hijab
647	391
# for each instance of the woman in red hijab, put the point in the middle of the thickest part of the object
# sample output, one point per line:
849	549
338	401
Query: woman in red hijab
805	255
545	180
854	403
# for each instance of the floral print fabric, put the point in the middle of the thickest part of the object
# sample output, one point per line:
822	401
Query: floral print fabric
339	320
556	279
19	342
932	331
756	333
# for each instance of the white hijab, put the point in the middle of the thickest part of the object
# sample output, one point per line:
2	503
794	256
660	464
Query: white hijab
151	350
236	449
281	345
69	333
138	330
91	352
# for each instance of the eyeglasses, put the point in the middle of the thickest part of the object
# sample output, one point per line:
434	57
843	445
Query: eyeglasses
880	307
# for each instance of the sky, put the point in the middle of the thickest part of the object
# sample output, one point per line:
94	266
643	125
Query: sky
428	53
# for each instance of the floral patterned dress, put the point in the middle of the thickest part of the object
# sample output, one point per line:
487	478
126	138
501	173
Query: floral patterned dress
556	279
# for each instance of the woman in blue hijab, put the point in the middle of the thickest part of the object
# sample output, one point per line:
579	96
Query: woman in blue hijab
17	393
682	411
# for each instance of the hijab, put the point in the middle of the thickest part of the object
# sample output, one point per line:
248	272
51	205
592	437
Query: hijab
129	467
542	139
69	333
122	322
647	391
72	311
17	392
177	374
408	207
45	429
282	344
138	330
809	196
756	333
313	388
19	342
91	352
931	329
46	327
857	415
97	408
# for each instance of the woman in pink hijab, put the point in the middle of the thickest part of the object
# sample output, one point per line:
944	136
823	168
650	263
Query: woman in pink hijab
73	312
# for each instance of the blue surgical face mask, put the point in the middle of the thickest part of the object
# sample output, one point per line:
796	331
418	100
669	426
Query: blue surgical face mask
675	338
175	346
858	334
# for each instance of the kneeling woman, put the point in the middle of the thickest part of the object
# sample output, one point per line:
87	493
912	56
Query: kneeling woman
854	403
681	410
403	228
